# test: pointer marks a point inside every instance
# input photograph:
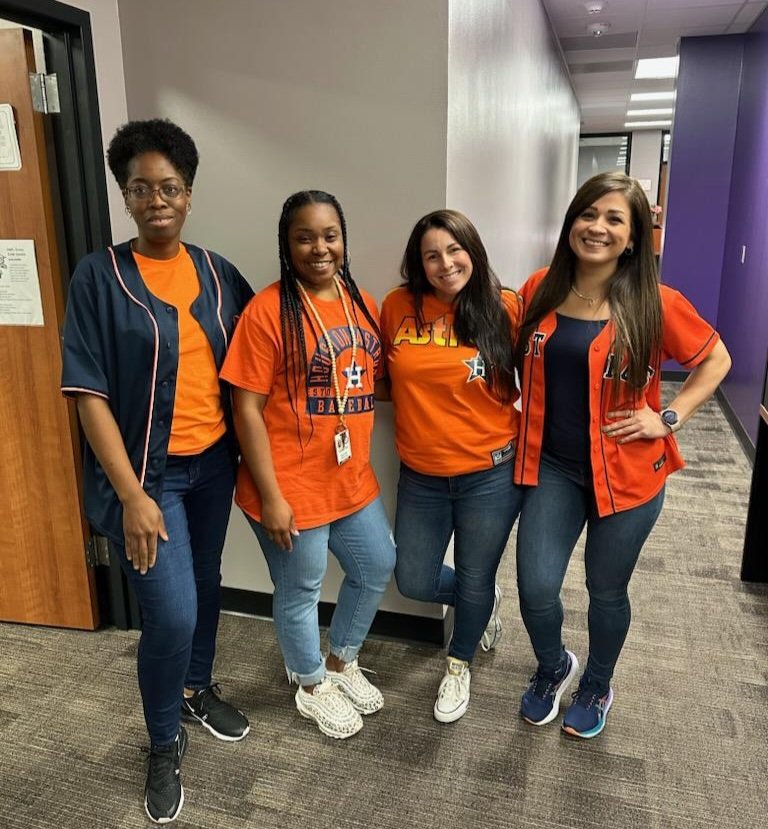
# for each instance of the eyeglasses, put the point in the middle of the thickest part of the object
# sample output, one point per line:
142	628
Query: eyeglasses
143	192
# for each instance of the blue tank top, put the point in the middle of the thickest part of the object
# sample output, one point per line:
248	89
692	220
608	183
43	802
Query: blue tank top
566	378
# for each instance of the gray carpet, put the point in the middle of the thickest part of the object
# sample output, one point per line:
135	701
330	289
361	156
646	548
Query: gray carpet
685	745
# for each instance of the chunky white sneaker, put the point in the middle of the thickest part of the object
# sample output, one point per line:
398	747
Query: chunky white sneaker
453	693
366	698
328	706
492	633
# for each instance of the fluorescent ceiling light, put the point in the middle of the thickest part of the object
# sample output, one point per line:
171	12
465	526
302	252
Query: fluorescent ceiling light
652	96
656	68
668	111
631	124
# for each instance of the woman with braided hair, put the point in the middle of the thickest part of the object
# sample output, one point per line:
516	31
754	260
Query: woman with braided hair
303	362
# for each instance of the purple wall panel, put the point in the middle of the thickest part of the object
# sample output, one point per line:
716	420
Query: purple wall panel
700	168
743	301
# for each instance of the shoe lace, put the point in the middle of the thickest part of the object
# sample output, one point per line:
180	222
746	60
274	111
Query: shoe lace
541	685
162	765
208	698
333	698
450	688
587	695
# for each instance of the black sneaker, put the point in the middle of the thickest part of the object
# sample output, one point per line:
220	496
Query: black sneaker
220	718
164	794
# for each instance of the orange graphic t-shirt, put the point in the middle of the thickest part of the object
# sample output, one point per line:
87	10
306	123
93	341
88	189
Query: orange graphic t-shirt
318	489
447	421
198	417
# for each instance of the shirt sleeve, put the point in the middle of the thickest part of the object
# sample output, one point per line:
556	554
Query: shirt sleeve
84	363
255	353
686	337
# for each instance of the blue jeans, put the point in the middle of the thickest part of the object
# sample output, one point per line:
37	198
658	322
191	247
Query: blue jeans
363	544
554	514
179	597
478	509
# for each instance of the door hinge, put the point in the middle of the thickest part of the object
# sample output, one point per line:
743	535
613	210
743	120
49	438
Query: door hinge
45	92
97	551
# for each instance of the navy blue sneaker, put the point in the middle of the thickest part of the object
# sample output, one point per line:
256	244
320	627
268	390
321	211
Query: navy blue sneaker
587	713
541	702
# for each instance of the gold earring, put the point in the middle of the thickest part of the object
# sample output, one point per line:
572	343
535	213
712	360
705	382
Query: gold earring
189	209
128	211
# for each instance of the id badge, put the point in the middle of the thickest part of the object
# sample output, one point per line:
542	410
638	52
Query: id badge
342	445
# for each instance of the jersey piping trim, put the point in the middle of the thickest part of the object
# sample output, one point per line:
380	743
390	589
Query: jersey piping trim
703	348
84	390
154	363
602	452
218	296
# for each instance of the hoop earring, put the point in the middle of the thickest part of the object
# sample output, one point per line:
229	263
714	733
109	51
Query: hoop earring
128	211
628	251
189	209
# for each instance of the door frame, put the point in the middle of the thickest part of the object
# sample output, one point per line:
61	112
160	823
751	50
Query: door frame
76	131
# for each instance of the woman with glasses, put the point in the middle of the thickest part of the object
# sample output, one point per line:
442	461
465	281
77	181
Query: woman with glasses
147	326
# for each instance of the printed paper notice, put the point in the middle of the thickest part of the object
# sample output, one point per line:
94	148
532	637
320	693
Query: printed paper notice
20	302
10	157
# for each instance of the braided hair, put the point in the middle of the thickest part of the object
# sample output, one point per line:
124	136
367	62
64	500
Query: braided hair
292	309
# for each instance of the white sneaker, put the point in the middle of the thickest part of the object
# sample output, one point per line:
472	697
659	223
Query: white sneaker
330	709
366	698
492	632
453	693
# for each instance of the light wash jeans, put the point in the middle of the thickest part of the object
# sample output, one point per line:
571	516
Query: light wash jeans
478	509
364	546
554	514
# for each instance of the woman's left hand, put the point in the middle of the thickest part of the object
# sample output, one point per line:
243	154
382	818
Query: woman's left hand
635	425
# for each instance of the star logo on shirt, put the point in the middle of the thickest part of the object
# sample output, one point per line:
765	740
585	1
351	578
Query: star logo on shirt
354	375
476	366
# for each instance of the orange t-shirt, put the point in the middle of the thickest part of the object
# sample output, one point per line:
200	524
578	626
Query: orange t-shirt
447	422
198	416
310	479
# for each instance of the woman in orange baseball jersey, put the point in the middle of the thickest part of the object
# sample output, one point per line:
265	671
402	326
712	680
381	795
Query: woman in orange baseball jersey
303	362
595	444
449	334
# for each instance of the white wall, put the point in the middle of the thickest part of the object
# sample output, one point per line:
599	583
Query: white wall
645	160
513	129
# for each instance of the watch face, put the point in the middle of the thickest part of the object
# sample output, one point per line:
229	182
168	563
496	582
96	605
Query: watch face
669	417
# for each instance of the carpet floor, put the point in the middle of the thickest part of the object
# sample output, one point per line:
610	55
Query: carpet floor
686	744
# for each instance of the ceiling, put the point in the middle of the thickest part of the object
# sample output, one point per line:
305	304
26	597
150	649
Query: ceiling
602	68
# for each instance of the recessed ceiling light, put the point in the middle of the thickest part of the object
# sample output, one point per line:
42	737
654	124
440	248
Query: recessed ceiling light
667	111
594	8
657	68
630	124
598	29
652	96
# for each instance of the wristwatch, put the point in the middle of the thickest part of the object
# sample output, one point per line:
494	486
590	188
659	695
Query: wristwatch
670	418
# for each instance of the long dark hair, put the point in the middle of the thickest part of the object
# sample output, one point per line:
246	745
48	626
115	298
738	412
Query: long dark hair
292	310
480	318
633	292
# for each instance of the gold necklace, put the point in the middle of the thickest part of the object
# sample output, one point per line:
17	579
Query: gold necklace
341	402
590	300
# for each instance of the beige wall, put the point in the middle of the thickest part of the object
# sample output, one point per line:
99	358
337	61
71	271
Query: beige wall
513	129
645	160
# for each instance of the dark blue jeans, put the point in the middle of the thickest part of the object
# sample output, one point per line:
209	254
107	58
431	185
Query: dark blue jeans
180	596
478	509
553	516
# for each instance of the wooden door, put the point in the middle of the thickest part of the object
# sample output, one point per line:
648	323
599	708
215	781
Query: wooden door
44	575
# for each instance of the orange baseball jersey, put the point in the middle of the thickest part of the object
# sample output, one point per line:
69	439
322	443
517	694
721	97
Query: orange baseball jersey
317	488
624	475
198	416
447	422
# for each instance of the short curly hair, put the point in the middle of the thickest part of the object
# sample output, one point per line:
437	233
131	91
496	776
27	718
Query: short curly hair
157	135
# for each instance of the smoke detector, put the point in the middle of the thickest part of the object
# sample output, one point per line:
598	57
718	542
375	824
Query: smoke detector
594	8
598	29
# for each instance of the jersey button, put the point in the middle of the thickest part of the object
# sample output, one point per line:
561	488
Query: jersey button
597	348
596	386
169	308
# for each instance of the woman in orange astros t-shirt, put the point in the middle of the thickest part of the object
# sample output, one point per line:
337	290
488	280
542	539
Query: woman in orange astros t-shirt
449	333
304	362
